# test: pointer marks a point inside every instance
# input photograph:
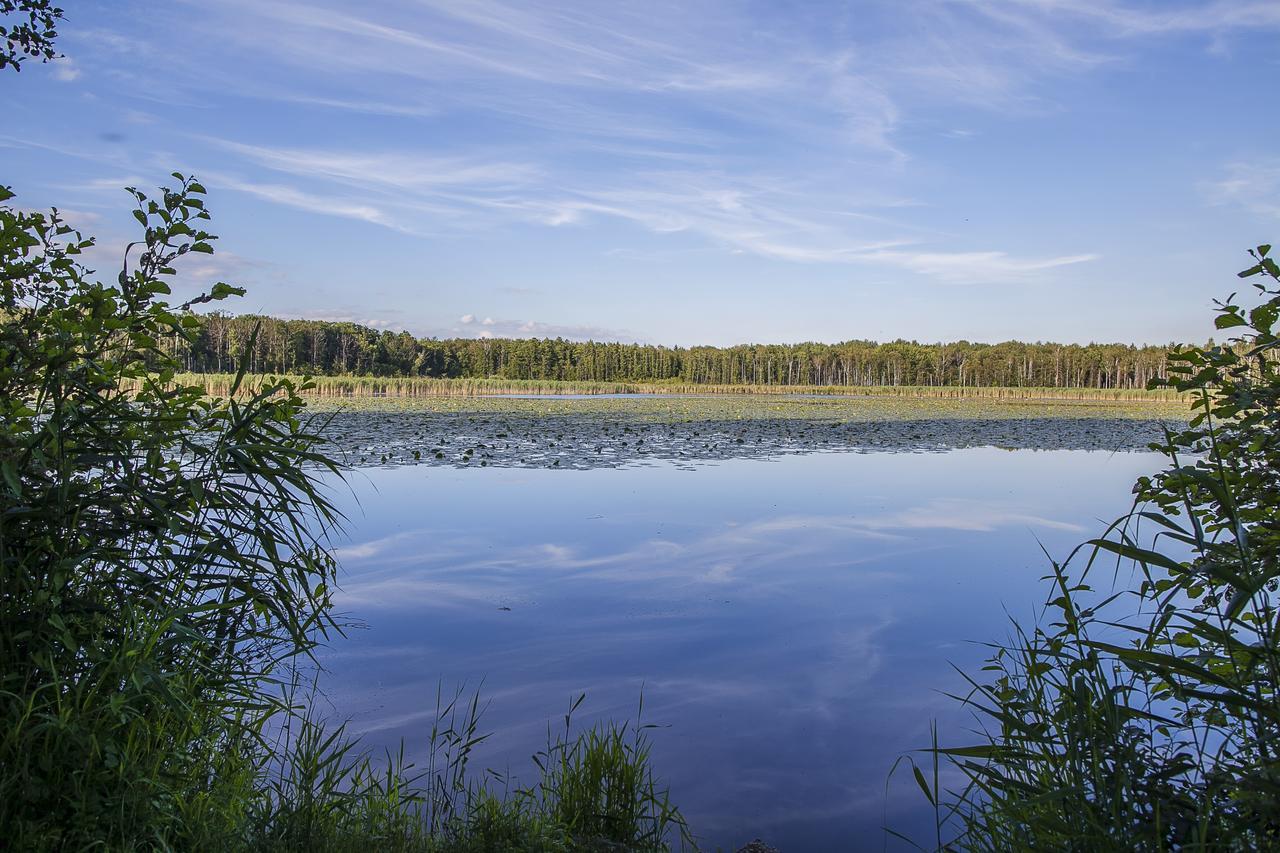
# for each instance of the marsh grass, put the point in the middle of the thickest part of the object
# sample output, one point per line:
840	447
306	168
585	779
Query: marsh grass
595	790
416	386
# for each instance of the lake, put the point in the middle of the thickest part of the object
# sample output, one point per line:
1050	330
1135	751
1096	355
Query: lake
791	618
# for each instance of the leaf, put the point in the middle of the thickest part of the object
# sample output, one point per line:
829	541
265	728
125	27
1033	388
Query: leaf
11	478
222	290
981	751
1227	321
1264	316
1142	555
924	786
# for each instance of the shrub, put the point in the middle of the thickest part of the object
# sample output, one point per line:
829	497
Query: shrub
160	552
163	563
1148	719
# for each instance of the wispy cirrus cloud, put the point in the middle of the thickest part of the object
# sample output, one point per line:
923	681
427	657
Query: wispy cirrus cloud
602	78
766	218
328	205
975	267
423	192
880	144
397	170
1253	185
1125	19
612	71
997	53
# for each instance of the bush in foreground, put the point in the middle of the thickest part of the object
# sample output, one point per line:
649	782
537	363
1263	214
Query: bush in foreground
1148	719
164	565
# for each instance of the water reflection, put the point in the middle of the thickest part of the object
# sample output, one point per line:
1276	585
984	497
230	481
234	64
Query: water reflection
791	619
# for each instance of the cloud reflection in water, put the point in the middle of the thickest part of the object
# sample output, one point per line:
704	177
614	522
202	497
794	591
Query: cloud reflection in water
792	620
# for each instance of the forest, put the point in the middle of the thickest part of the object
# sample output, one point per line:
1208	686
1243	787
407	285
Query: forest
324	348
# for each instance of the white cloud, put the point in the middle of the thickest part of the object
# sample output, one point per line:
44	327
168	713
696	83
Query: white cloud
65	70
1253	185
351	316
294	197
416	170
84	221
974	267
115	184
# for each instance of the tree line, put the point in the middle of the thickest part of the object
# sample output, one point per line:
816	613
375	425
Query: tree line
326	348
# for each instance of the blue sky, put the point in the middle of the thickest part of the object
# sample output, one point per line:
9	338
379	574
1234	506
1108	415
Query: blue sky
681	172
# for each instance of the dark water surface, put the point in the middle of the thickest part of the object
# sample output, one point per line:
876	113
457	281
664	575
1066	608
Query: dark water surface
791	619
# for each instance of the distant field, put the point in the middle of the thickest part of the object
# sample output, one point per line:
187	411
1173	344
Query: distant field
411	387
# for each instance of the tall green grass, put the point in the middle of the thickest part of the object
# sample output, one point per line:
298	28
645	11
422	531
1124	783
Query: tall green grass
594	790
165	565
1143	712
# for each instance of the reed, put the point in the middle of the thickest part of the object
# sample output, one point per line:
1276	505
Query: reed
594	790
219	384
165	561
1143	711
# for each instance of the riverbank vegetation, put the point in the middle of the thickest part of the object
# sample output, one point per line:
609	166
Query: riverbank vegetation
365	387
324	348
1142	713
165	571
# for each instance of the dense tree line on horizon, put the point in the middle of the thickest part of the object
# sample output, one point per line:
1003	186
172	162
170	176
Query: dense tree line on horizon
329	348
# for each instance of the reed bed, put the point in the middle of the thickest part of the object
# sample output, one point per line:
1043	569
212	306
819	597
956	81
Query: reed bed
219	384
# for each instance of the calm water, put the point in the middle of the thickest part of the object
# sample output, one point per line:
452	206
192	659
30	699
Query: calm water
792	619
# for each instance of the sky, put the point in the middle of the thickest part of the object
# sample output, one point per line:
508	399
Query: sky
680	172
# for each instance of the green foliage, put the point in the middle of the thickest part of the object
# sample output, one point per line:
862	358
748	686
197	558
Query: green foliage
27	29
596	791
163	559
1149	719
599	787
160	551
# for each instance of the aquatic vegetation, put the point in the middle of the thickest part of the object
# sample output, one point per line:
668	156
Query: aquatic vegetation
425	386
595	790
597	432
